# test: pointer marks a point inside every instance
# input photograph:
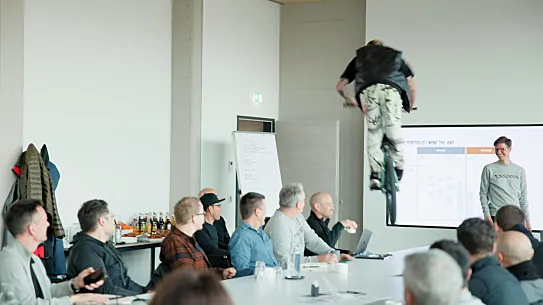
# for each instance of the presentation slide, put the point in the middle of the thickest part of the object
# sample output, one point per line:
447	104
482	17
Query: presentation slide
442	174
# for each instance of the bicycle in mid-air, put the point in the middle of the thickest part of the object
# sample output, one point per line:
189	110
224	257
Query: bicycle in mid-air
388	177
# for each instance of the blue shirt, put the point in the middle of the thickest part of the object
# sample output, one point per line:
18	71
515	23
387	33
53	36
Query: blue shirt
248	246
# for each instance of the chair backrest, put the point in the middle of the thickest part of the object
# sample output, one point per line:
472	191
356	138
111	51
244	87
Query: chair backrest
266	222
160	272
54	259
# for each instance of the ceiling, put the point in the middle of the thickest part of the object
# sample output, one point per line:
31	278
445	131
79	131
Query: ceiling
295	1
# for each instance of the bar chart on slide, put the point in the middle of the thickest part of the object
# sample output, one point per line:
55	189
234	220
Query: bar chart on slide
442	172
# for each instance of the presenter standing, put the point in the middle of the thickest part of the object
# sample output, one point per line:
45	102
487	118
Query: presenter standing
503	183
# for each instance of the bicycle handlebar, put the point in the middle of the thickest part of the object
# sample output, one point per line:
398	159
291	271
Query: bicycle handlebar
349	105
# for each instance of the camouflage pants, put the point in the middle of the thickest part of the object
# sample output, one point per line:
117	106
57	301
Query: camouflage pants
384	117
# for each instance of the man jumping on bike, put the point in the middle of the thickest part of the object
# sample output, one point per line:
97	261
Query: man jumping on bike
384	85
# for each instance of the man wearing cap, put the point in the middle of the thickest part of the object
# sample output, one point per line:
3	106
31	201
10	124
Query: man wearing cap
219	224
207	237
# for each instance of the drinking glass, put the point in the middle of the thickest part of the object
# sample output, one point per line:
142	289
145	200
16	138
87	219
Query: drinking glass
260	269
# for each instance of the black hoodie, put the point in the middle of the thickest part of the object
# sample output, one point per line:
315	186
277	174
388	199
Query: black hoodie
536	245
89	252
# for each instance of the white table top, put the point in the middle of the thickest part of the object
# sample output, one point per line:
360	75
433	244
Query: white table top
378	279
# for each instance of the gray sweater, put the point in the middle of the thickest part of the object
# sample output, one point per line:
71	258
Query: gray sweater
286	233
503	185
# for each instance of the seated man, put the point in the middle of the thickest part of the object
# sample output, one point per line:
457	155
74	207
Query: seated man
24	272
322	208
461	256
431	278
290	232
219	224
511	218
92	249
515	253
249	243
207	237
489	281
180	249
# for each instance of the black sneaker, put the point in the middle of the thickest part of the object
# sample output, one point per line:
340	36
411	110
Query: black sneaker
399	173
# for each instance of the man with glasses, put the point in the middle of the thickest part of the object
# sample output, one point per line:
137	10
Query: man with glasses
219	224
92	249
207	238
180	249
503	183
322	209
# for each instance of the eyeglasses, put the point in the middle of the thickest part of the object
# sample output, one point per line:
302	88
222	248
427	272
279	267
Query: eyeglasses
203	214
217	205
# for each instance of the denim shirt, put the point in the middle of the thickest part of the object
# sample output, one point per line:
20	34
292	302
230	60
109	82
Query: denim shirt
248	246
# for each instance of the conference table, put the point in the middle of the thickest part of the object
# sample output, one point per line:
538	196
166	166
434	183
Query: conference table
367	282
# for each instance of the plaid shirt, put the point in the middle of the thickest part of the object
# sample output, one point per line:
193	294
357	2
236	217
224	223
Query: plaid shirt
179	250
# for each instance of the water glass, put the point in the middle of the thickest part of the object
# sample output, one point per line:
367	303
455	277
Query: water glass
260	270
336	253
294	265
278	272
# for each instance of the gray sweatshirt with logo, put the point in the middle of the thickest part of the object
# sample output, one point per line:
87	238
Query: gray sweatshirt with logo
503	184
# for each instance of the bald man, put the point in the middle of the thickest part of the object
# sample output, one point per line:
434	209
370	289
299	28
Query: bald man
220	224
322	209
515	253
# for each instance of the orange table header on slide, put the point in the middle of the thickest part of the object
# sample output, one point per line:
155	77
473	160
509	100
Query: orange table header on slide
479	150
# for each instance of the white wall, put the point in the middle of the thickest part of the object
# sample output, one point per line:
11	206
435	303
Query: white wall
11	93
97	90
240	56
475	62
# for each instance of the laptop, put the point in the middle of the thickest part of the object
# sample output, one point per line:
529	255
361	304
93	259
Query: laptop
363	243
361	249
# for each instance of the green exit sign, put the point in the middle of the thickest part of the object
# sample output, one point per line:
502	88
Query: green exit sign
257	97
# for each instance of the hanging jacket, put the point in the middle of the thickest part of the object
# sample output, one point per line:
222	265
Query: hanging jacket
13	196
36	183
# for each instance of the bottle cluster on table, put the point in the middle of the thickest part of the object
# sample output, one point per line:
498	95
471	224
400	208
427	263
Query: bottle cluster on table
151	223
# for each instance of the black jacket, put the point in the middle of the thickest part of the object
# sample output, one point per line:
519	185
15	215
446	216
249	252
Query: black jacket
494	285
536	245
89	252
530	282
222	233
320	226
208	240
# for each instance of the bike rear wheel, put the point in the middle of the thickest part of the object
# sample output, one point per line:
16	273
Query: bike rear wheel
390	191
